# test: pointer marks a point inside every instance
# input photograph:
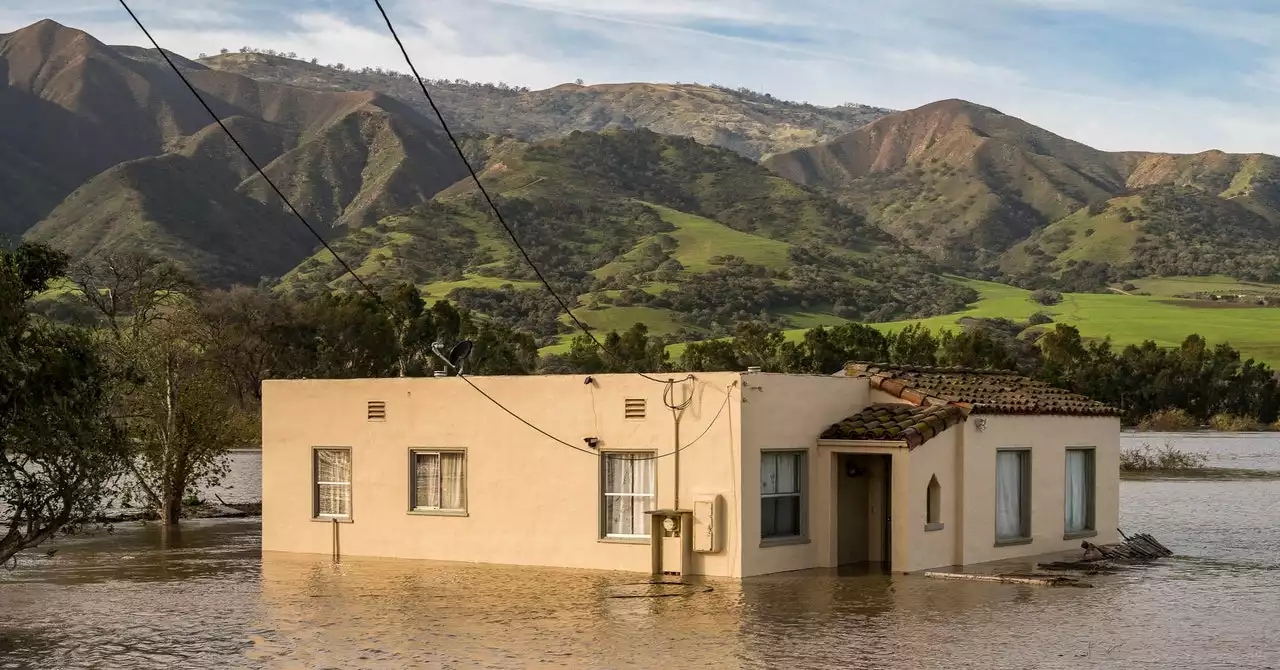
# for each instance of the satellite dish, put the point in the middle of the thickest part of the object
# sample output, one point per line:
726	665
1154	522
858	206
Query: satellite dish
459	353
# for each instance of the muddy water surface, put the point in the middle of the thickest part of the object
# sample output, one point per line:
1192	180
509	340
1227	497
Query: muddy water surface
206	598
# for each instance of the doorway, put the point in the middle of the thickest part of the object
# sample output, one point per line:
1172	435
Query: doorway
863	501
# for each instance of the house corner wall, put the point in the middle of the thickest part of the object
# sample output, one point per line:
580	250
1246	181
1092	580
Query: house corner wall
790	412
927	546
1048	438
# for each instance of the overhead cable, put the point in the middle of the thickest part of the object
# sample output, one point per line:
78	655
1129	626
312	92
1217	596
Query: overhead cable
254	163
493	206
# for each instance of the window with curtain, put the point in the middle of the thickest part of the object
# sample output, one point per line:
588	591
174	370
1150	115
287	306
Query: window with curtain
781	494
628	486
439	481
1013	495
1079	489
332	470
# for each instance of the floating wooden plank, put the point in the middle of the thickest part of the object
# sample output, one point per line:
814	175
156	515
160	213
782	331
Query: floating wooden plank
1034	580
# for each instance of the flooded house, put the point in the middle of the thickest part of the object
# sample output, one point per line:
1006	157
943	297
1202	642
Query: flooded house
728	474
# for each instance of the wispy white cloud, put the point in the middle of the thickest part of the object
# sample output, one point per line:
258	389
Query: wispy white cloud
1178	75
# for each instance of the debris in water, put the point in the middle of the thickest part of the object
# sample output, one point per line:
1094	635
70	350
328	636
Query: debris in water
1013	578
1100	558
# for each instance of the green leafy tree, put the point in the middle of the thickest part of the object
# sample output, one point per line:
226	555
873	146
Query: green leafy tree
176	401
60	449
914	345
180	414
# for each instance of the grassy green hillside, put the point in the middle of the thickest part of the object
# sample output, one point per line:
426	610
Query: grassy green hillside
1161	230
1130	319
635	226
1158	315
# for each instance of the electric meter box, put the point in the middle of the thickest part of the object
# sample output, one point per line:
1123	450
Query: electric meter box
671	541
707	532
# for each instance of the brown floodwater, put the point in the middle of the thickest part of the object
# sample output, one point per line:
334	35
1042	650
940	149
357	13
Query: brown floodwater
208	598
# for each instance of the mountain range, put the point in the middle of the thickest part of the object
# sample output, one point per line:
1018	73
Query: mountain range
685	206
983	191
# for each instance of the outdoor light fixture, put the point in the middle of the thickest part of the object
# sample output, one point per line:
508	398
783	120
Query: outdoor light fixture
592	442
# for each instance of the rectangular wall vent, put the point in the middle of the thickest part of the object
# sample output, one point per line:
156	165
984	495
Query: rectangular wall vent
377	410
633	408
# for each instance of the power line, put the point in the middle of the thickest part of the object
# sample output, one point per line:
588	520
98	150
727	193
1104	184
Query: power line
727	396
244	151
378	299
484	192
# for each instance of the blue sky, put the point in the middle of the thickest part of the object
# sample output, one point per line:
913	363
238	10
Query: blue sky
1171	75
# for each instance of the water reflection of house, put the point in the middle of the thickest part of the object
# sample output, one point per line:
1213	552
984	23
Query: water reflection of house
916	468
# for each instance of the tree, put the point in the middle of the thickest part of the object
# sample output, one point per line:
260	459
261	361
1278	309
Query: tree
238	325
131	290
60	449
1046	297
913	345
224	50
180	413
176	398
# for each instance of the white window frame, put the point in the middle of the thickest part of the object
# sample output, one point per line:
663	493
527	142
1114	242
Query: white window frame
801	496
413	481
605	494
316	483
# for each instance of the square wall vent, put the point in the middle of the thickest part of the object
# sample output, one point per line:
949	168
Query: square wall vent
633	408
377	410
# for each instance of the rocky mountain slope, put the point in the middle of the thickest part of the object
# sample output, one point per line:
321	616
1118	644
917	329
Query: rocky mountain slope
966	184
641	201
109	152
752	124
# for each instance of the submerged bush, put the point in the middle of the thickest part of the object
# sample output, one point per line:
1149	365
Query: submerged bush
1167	420
1147	457
1232	423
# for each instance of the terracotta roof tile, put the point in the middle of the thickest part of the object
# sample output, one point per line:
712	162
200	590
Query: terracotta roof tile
899	422
984	391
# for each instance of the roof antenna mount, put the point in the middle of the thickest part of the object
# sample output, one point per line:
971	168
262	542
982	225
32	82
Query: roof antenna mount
456	359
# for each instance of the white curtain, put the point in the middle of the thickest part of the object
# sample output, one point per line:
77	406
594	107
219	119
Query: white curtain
779	473
768	473
1077	490
629	488
426	481
452	481
439	481
1009	472
333	482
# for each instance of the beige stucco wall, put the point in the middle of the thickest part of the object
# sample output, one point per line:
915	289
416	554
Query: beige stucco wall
933	548
1048	437
789	412
530	501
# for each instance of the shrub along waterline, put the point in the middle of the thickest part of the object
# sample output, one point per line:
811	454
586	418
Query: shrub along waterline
1167	458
